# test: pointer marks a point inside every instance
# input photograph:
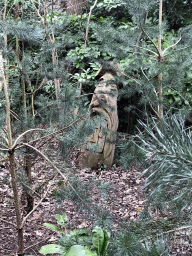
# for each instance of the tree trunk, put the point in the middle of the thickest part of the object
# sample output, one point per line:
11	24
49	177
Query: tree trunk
12	162
75	7
17	203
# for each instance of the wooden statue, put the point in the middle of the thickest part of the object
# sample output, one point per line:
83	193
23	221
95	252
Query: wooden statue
104	103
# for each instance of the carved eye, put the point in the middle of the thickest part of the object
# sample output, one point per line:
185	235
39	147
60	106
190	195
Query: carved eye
101	79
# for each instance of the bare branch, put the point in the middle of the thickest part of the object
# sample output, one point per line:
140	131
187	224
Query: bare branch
87	28
62	175
26	217
8	222
25	185
4	138
44	81
61	130
146	49
4	149
172	45
21	135
154	110
159	53
42	20
130	78
149	81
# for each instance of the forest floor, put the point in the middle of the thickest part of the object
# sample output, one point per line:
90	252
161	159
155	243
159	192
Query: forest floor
126	195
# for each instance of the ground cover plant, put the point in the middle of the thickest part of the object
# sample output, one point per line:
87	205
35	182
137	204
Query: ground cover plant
48	60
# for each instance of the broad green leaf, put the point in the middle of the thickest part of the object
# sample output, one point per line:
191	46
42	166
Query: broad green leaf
89	252
50	248
78	250
98	239
106	242
53	227
61	219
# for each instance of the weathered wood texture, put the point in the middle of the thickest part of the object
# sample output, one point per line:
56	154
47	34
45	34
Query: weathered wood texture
75	7
104	103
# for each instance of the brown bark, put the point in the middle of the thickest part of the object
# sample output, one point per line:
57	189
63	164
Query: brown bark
12	165
16	202
75	7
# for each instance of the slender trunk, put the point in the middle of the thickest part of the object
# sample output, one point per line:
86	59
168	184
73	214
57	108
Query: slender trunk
27	157
27	169
12	166
160	94
56	80
17	203
5	78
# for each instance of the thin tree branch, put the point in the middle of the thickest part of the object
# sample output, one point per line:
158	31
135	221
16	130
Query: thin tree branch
62	175
149	81
87	28
21	135
44	81
172	45
42	20
152	42
35	244
171	231
130	78
14	115
30	189
26	217
9	222
61	130
146	49
2	144
154	110
4	149
4	138
85	95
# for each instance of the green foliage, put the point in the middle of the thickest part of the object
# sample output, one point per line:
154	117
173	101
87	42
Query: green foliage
100	240
168	147
51	248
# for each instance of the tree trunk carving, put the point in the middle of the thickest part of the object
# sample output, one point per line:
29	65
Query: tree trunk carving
104	103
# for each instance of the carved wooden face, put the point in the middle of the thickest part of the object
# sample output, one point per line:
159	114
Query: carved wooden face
104	100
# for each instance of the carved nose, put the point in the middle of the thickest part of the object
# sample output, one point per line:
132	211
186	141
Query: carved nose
103	98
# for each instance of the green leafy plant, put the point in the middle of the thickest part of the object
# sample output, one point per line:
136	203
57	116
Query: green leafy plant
99	240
